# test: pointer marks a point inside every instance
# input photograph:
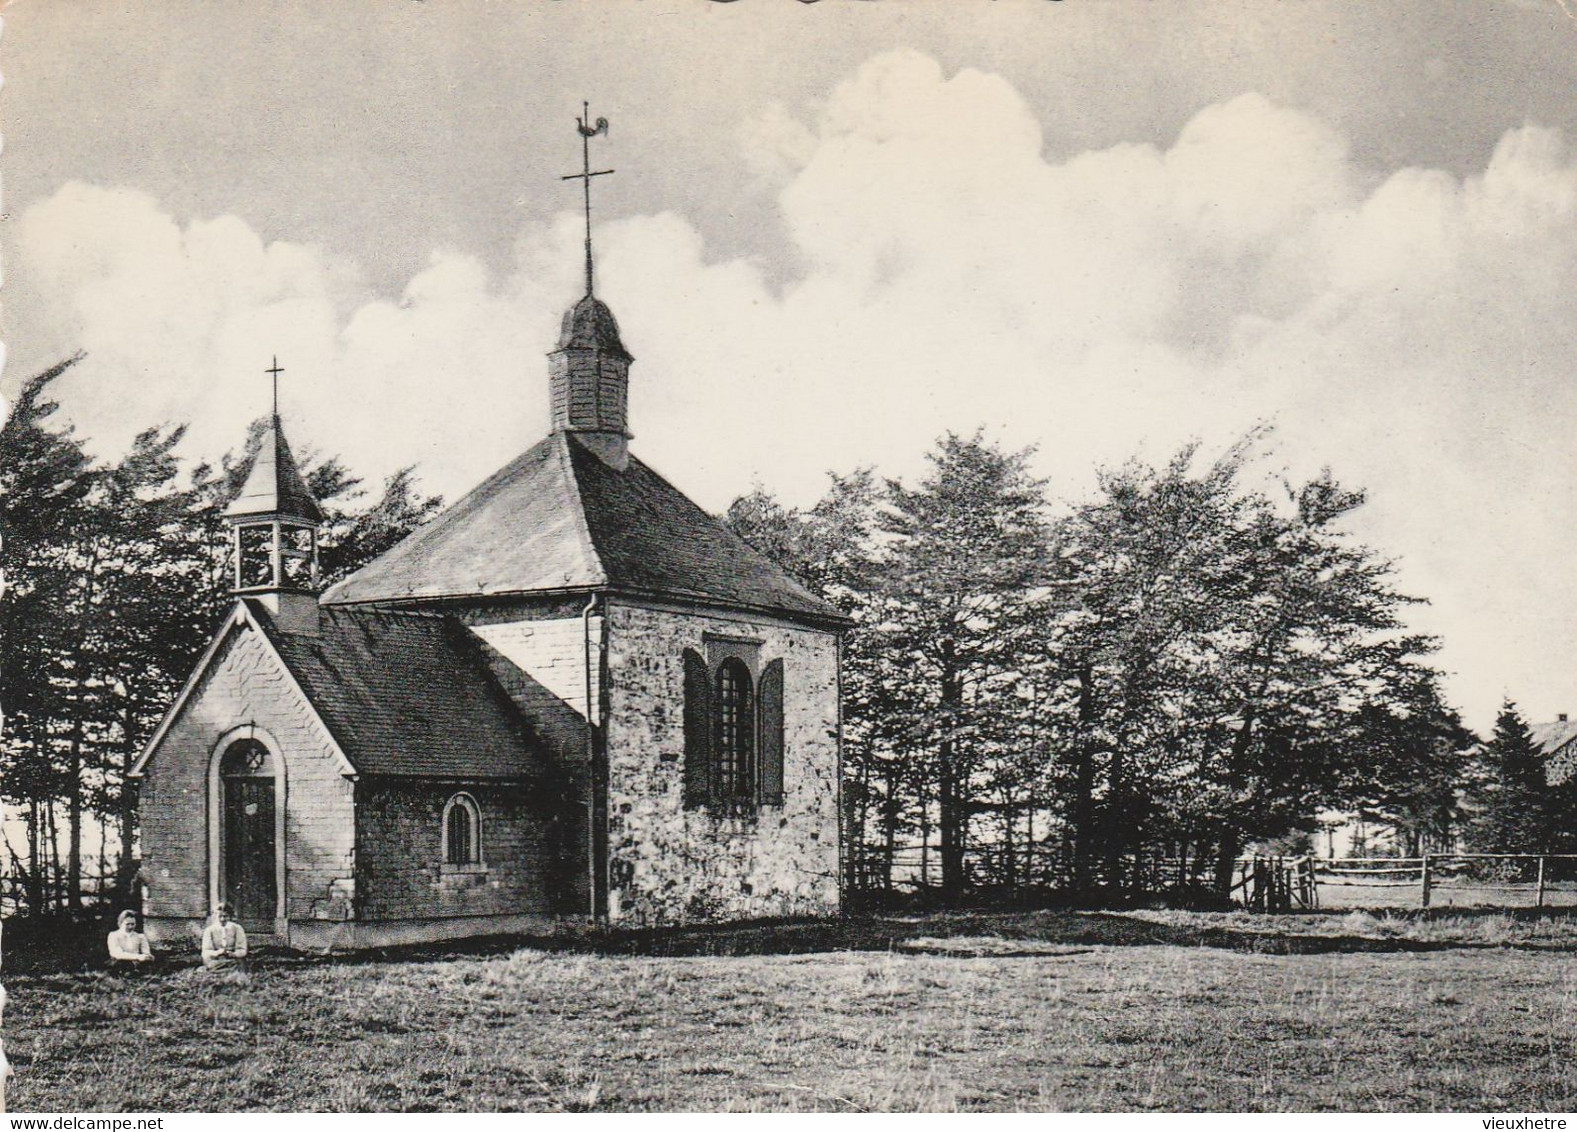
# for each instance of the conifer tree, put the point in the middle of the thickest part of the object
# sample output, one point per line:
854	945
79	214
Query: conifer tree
45	478
1511	801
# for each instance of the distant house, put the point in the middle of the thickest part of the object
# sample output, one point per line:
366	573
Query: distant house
1557	742
1352	834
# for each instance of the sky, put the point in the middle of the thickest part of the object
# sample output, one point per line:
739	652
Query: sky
836	231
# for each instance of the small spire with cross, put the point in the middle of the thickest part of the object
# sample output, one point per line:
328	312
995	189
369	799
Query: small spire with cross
588	130
274	372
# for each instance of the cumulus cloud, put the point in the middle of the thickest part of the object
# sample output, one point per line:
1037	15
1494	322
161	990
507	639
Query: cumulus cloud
1408	327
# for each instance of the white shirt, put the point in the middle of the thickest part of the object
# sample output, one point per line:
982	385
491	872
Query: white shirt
224	940
128	943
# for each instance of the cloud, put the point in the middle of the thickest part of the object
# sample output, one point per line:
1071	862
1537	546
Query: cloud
1409	327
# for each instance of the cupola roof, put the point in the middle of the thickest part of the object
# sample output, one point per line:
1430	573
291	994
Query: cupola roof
590	325
275	487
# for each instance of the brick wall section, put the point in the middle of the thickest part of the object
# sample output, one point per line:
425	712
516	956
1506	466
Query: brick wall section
551	651
669	864
246	684
399	850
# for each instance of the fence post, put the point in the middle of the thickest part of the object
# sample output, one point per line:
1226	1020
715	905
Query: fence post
1538	901
1423	887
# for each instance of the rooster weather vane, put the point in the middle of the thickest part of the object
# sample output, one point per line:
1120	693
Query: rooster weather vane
588	130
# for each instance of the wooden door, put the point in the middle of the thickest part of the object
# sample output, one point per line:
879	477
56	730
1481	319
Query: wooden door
249	851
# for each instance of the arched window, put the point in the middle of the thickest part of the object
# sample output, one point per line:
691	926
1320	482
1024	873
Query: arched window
736	733
462	831
733	734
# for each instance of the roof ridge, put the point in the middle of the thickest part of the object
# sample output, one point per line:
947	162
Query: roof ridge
582	527
382	611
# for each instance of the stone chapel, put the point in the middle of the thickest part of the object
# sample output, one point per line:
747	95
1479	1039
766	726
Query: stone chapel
573	696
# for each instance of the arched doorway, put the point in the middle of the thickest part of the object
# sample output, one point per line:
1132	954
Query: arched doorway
247	832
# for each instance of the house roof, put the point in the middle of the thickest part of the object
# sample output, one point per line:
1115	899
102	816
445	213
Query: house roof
1551	737
275	485
413	695
559	518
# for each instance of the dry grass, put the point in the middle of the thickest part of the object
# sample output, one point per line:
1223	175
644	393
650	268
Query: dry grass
1158	1011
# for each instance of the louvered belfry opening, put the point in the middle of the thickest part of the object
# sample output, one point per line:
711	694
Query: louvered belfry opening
589	378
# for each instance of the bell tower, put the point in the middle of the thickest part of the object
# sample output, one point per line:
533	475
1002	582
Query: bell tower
589	381
274	525
589	372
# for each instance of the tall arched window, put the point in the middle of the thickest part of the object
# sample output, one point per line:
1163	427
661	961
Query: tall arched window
462	831
736	733
733	734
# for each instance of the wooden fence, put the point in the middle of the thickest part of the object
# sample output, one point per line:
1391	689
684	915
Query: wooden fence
1276	884
16	897
1262	883
1507	880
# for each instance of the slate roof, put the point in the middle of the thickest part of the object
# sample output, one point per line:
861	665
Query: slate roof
590	325
413	695
558	518
275	485
1551	737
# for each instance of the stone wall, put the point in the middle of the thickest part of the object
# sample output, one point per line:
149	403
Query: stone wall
246	684
530	863
669	864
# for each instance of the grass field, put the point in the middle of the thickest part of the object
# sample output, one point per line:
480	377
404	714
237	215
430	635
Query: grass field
1051	1010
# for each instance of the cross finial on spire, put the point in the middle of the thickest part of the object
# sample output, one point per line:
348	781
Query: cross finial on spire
588	130
274	372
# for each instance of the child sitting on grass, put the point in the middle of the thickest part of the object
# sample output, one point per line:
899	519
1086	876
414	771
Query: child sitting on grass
224	942
129	948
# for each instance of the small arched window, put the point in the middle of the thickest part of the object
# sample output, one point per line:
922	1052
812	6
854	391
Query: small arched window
462	831
736	733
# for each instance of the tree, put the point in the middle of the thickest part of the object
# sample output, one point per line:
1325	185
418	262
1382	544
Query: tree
829	548
1185	665
958	573
1513	806
1410	761
369	532
1211	659
45	479
1140	590
1312	631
